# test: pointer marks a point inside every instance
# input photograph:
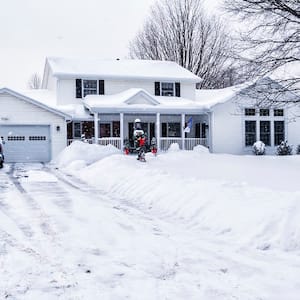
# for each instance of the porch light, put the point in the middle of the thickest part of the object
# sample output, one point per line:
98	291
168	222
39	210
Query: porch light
57	128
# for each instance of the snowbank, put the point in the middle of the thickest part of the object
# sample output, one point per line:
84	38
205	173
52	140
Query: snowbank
249	200
80	154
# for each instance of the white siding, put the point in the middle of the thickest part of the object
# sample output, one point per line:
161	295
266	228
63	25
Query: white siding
227	129
293	126
17	111
66	89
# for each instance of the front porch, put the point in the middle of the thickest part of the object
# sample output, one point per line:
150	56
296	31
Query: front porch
117	129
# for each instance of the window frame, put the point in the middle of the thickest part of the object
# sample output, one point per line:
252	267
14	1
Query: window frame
173	89
83	88
267	141
250	134
247	112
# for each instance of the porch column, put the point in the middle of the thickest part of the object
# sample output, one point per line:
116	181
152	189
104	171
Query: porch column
182	131
96	127
122	130
158	131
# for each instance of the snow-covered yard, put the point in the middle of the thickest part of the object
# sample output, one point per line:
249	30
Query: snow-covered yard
96	224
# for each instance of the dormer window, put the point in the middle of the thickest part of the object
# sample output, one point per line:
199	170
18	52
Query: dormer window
89	87
169	89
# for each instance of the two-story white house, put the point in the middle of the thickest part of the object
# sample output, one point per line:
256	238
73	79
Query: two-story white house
116	92
100	99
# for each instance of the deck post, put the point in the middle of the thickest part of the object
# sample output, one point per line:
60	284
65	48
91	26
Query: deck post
182	131
158	131
122	130
96	127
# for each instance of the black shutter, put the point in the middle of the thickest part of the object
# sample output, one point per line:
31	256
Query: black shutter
157	88
78	88
177	89
101	87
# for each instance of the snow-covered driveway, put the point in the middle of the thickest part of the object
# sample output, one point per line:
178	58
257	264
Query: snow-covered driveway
61	239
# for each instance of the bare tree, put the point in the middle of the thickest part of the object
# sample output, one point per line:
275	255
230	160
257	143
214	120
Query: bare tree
180	31
271	41
35	81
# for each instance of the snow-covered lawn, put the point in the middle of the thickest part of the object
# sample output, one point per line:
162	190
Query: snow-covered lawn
183	225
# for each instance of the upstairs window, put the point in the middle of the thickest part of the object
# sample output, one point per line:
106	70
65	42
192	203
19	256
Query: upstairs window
169	89
249	111
278	112
89	87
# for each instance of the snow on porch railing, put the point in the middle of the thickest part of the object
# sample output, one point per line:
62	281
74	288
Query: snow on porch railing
189	143
101	141
110	140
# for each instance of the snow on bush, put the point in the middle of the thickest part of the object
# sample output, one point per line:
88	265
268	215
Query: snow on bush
284	148
259	148
201	149
78	150
174	147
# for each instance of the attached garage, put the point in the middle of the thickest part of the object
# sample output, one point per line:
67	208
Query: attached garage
26	143
32	131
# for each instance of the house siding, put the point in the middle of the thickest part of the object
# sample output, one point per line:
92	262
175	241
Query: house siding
19	112
66	89
227	129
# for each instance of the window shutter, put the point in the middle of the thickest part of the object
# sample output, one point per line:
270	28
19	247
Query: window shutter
101	87
157	88
78	88
177	89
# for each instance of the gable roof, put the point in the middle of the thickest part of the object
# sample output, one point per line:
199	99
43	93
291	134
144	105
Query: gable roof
34	102
119	69
138	100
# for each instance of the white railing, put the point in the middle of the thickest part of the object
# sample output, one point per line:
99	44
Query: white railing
101	141
189	143
110	140
166	142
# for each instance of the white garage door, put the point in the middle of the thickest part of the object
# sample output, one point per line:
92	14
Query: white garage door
26	143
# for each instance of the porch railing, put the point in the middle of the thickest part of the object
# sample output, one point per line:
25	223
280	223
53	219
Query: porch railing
189	143
110	140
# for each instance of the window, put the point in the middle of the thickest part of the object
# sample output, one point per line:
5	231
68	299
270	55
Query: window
89	87
16	138
264	112
249	111
265	133
250	133
278	132
167	89
77	130
278	112
171	130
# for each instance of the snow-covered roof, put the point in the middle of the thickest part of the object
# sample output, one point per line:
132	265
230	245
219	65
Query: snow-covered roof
120	69
28	97
48	98
139	100
209	98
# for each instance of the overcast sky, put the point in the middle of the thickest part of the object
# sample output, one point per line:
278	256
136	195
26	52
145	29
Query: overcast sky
30	30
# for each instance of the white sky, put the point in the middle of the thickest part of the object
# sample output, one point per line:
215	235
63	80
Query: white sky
30	30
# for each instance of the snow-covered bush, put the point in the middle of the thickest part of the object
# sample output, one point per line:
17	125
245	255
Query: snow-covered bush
298	149
284	148
259	148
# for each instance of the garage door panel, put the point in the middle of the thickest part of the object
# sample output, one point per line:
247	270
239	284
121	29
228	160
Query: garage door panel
28	143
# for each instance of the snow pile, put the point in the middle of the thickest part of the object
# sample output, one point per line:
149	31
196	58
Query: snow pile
80	154
244	199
